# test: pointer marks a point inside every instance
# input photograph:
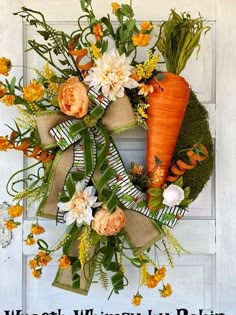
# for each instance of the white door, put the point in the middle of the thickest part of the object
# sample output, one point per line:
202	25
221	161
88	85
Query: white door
206	278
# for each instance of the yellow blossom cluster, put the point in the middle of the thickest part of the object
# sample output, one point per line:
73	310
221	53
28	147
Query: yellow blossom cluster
30	240
10	225
5	143
115	7
137	169
64	262
145	70
145	89
41	260
98	31
48	75
146	26
8	100
95	51
166	291
33	91
15	211
136	301
157	175
5	66
141	39
37	229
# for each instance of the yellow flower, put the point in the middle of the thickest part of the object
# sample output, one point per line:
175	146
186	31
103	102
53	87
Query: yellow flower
33	91
146	69
30	241
3	90
47	72
141	39
15	211
43	259
115	6
151	282
36	274
64	262
142	112
146	26
137	299
95	51
37	229
135	76
10	225
166	291
8	100
5	66
145	89
157	175
160	274
5	144
33	263
137	169
97	31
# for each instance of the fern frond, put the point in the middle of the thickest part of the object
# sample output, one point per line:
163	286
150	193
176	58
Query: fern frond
99	271
168	255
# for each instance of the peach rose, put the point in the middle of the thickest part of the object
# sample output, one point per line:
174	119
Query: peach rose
73	99
106	223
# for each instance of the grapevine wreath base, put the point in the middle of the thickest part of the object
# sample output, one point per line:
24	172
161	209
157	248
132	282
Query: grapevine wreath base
113	214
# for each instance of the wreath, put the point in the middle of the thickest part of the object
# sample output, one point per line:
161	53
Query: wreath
93	86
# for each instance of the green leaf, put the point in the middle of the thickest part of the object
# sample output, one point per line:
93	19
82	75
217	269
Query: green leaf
155	192
142	204
157	161
106	261
118	281
185	202
76	281
127	197
12	85
114	267
45	34
179	182
186	192
168	217
155	201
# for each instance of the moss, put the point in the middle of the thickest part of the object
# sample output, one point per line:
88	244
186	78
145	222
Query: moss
195	129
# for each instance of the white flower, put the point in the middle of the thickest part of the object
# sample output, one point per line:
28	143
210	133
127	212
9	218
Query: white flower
112	75
79	208
173	195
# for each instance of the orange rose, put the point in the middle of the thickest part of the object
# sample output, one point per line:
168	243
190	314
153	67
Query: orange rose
106	223
73	99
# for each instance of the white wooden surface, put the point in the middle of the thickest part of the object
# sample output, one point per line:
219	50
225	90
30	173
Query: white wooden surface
204	279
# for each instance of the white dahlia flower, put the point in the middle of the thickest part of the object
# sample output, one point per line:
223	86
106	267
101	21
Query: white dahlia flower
112	74
79	208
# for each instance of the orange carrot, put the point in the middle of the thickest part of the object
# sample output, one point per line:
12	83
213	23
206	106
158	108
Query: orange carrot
80	54
180	166
167	107
37	153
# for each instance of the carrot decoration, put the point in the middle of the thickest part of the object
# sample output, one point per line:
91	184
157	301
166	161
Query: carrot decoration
36	153
180	167
80	54
168	103
179	36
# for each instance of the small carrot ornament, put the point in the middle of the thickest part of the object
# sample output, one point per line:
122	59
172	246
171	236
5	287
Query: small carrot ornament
179	36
